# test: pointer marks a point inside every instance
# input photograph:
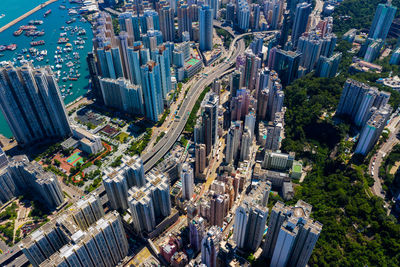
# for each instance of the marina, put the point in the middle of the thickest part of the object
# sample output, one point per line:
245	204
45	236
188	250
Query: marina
50	40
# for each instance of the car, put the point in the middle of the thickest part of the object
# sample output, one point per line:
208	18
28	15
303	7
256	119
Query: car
372	173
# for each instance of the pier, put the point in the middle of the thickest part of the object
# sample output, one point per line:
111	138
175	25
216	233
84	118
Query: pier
27	14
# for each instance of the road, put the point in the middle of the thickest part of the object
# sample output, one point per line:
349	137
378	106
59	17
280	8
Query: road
377	159
164	145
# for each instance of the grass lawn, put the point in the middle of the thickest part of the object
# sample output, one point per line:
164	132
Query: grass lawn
121	137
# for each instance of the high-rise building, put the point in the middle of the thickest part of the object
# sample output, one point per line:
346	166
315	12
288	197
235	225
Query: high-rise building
117	181
87	211
94	77
328	67
372	130
230	12
214	5
247	139
149	20
3	159
30	177
291	235
206	131
32	105
303	11
235	83
150	203
243	15
251	218
187	181
383	19
233	138
121	94
278	161
167	23
197	231
152	91
8	188
200	160
210	246
358	99
102	244
116	187
184	21
286	64
206	28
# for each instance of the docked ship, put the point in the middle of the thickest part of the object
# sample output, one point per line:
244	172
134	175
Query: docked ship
47	13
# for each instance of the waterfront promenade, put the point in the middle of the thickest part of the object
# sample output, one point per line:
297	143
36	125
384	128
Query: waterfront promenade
30	12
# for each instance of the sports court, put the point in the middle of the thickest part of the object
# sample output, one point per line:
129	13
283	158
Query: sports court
75	158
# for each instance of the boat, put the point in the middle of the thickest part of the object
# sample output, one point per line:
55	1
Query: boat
3	48
36	43
2	16
11	47
71	20
62	7
47	13
24	50
72	12
63	40
1	55
18	32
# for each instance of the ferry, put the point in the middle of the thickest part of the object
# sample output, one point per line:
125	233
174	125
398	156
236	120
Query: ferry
36	43
18	32
47	13
11	47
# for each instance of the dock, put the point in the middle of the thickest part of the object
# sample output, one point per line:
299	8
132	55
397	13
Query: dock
27	14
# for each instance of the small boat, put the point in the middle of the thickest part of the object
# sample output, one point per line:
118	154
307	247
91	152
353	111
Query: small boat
2	16
62	7
47	13
36	43
11	47
3	48
18	32
1	55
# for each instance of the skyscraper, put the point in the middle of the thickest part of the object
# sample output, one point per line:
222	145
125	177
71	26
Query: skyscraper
197	231
31	177
286	64
152	91
291	235
94	77
167	23
184	21
247	139
233	142
251	218
243	16
214	5
87	211
206	28
303	11
200	159
117	181
187	181
150	203
372	130
383	19
328	67
210	247
31	103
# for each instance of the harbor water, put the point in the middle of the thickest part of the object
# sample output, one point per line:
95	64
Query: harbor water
67	58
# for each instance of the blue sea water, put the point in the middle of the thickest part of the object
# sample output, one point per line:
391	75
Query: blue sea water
52	26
